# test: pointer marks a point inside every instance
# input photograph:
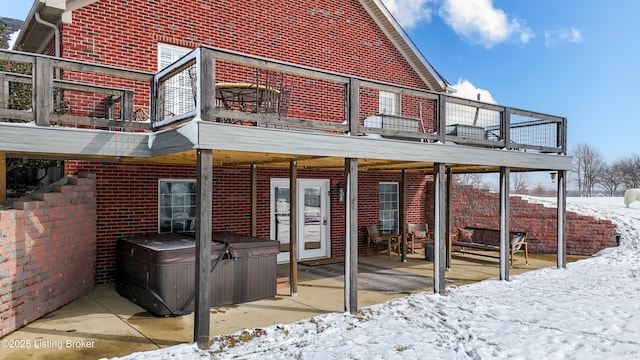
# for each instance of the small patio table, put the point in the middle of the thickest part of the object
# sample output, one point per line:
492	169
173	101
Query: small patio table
247	97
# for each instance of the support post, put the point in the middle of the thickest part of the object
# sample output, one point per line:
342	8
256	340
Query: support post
351	237
42	92
441	118
505	126
403	217
3	177
352	114
126	113
439	228
206	93
254	199
505	173
293	228
562	219
449	213
4	92
204	202
353	106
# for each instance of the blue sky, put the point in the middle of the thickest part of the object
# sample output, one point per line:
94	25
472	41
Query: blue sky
572	58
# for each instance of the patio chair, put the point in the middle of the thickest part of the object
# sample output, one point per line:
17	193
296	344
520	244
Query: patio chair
374	236
418	235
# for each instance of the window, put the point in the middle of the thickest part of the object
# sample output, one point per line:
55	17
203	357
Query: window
178	93
388	204
389	103
177	206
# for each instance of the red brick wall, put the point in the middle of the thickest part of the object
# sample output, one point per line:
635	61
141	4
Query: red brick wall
127	202
333	35
47	252
584	235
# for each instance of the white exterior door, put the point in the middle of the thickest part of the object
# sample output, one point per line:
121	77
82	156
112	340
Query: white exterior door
312	214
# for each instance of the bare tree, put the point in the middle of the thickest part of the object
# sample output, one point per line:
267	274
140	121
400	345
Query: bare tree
539	190
476	180
519	182
630	171
611	178
590	166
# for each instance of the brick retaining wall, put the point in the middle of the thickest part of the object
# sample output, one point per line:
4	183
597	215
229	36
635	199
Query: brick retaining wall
584	234
47	251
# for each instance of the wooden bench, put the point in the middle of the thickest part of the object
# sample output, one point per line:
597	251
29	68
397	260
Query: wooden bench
489	240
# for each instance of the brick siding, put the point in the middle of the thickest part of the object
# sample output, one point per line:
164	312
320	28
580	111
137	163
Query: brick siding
47	255
127	202
332	35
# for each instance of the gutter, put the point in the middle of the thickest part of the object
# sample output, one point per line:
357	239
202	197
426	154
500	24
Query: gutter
56	31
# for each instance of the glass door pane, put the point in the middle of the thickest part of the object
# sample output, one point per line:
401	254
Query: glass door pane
282	216
312	218
313	212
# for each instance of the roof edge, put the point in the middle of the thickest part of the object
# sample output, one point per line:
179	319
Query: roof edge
402	41
34	35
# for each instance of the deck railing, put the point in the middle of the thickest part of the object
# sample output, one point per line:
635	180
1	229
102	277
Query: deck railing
324	101
237	89
58	92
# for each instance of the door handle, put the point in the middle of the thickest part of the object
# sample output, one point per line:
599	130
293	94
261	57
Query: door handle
324	221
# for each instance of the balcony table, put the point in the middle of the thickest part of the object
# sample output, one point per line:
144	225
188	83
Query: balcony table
247	97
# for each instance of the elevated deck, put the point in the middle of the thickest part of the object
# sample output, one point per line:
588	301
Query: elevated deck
280	112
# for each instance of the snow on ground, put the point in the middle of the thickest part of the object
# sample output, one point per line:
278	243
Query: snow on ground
591	310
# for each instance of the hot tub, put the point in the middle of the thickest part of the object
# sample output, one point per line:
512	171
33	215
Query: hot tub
157	271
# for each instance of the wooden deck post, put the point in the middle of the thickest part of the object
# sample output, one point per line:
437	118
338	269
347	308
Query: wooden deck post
441	117
439	228
449	212
505	132
505	174
353	99
562	218
351	237
42	92
351	203
204	202
403	217
254	199
126	113
4	92
293	228
206	70
3	177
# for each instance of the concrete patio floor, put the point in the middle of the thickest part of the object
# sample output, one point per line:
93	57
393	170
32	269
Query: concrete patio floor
103	324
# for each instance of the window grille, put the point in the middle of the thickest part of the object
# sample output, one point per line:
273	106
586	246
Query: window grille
177	206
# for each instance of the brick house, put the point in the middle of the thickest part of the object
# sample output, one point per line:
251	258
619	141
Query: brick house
341	106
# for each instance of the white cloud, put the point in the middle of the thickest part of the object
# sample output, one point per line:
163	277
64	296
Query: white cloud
480	22
571	35
12	39
466	90
464	114
409	12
